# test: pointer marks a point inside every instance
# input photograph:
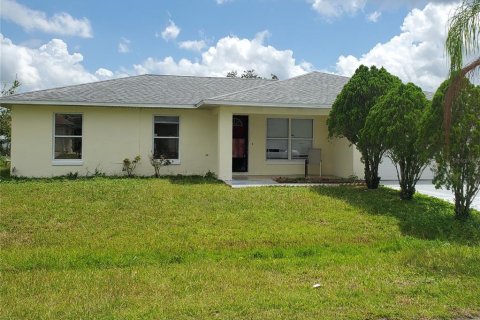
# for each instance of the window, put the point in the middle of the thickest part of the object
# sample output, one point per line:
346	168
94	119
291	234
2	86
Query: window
166	137
302	137
277	138
289	138
68	136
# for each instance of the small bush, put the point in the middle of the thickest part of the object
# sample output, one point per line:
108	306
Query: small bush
130	165
72	175
158	163
210	175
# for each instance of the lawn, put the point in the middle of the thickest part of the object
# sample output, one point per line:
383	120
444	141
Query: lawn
4	169
195	249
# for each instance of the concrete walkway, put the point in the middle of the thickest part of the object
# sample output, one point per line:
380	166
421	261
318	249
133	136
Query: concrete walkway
265	181
427	188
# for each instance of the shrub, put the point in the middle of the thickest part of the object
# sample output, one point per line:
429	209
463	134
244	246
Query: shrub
350	110
210	175
395	122
158	163
130	165
458	163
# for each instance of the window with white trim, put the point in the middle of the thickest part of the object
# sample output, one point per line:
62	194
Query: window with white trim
68	136
289	139
166	137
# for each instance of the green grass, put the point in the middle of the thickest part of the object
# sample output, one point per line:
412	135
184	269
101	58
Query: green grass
4	169
192	249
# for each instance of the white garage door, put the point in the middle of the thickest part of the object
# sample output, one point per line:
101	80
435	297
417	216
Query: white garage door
387	171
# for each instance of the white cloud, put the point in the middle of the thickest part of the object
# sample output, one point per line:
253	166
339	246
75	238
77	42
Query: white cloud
417	54
374	16
222	1
335	8
171	32
231	53
60	23
50	65
331	9
194	45
103	73
124	45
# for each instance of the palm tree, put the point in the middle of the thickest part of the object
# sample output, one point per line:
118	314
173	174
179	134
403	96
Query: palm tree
463	39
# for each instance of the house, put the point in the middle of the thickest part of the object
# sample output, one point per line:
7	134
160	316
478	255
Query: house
229	126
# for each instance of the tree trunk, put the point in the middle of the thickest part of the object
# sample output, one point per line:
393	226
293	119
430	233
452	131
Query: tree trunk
462	210
407	180
407	191
371	174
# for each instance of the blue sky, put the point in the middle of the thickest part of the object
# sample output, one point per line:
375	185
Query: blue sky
54	43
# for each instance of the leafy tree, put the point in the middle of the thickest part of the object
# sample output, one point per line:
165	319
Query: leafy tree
462	40
458	164
350	110
6	119
249	74
394	123
232	74
10	90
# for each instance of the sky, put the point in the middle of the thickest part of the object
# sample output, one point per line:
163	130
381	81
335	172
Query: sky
54	43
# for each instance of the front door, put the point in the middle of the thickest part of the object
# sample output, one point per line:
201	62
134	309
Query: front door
240	144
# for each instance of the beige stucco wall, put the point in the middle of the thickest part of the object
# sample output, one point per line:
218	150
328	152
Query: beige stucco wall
258	164
109	136
342	158
334	162
112	134
358	166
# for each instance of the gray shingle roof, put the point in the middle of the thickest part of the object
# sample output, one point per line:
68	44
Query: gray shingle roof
315	89
140	90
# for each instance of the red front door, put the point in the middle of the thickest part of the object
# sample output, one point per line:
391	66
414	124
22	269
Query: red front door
240	144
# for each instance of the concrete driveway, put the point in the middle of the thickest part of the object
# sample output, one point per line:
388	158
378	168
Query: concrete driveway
426	187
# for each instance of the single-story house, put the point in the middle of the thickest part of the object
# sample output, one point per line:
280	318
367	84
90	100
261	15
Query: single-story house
228	126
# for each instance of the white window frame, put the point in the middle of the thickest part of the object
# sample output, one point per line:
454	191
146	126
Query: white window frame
172	161
289	160
66	162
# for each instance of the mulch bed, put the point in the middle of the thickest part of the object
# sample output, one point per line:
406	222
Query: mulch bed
323	180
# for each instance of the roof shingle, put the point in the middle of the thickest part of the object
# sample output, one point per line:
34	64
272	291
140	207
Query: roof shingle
314	89
140	90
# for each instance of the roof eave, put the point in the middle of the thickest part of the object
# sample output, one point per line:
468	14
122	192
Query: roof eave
96	104
206	103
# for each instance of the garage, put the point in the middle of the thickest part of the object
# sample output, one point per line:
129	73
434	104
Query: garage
387	171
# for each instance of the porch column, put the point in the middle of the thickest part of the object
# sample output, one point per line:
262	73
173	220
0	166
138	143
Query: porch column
224	136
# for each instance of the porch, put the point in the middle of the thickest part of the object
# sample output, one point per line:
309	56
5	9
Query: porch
255	144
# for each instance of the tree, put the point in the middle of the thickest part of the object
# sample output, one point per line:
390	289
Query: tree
249	74
462	40
350	110
232	74
6	120
394	123
458	165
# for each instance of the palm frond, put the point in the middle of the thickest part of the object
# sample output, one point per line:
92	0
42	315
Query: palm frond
463	37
